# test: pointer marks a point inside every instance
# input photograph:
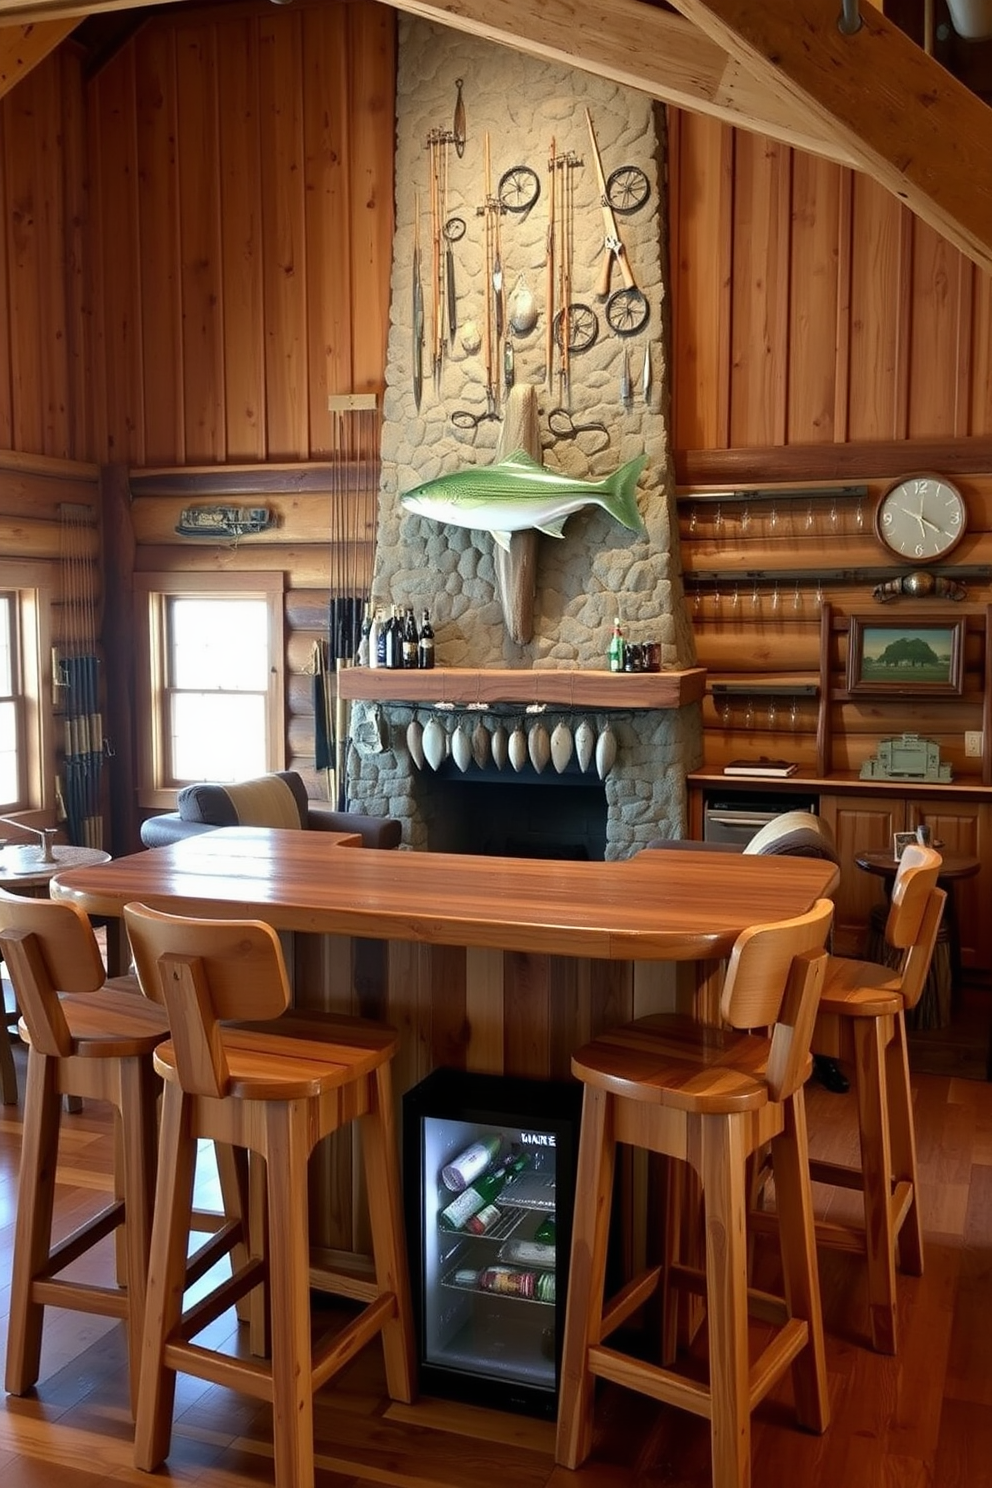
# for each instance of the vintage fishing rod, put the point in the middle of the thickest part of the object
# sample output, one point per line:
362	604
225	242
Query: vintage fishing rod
549	280
417	319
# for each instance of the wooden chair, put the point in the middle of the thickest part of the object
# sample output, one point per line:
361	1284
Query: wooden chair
253	1087
86	1037
862	1021
708	1097
9	1021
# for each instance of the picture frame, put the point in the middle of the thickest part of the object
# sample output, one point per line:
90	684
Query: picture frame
900	656
900	841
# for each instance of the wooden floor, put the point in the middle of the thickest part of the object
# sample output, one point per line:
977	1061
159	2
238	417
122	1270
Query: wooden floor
921	1419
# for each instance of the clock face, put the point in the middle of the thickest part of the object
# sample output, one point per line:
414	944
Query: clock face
921	518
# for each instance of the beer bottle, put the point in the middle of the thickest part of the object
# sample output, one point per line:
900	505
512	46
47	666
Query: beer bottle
425	646
410	648
455	1216
394	640
377	641
470	1164
616	652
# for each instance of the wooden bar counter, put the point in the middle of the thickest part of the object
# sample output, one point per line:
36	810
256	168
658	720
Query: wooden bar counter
501	965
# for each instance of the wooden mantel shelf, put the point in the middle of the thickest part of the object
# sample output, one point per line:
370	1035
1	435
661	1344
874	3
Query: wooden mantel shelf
489	685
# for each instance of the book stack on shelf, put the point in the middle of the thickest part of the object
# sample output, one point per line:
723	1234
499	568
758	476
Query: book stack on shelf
769	768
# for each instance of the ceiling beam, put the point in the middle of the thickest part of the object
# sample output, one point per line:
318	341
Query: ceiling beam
23	46
909	123
638	46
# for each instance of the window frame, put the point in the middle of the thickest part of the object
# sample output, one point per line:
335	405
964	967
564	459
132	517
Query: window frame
152	591
32	589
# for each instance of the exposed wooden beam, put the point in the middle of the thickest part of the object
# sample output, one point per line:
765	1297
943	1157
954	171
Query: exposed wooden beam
638	46
23	46
909	123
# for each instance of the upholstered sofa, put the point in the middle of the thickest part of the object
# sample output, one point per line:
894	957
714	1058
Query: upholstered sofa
276	800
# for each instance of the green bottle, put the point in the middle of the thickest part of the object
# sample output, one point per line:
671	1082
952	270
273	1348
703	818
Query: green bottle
456	1215
617	648
545	1232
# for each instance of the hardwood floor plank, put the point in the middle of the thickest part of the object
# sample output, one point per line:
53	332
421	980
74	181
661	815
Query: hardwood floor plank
920	1420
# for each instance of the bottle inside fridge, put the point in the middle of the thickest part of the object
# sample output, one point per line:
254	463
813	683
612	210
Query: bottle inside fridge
490	1176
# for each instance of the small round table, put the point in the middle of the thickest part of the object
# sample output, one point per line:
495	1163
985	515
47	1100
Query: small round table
933	1009
24	867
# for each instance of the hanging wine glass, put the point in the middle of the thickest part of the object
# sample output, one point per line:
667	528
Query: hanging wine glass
749	714
809	516
745	519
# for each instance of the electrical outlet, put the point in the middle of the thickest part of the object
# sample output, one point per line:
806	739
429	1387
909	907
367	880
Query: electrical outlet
973	743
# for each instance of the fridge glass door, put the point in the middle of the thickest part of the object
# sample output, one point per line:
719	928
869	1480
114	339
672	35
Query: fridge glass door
489	1271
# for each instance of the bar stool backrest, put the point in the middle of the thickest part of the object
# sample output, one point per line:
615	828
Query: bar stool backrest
773	981
917	874
206	971
49	947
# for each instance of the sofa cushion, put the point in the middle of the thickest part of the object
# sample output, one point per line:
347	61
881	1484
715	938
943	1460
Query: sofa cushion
276	800
795	834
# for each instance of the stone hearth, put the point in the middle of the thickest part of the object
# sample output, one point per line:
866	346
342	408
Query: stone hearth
598	568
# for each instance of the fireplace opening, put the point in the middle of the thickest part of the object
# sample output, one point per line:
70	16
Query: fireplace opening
523	814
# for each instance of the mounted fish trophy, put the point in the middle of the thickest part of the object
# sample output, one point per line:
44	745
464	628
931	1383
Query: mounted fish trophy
516	498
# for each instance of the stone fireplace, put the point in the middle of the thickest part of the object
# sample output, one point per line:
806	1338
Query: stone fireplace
520	112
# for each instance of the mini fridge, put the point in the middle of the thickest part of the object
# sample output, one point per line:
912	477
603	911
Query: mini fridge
489	1183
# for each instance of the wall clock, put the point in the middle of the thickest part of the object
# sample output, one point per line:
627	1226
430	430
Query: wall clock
921	518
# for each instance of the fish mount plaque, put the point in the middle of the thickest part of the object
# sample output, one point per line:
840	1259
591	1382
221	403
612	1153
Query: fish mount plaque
224	521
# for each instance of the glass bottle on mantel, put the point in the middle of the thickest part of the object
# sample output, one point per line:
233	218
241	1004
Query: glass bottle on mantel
425	646
617	648
411	640
394	640
377	641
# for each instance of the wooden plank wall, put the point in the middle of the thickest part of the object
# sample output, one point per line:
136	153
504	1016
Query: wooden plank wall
44	352
758	574
242	209
810	307
822	335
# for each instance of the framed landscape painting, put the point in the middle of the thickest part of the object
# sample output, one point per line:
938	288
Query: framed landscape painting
908	658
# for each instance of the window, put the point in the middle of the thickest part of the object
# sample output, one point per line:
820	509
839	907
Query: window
10	706
213	678
27	767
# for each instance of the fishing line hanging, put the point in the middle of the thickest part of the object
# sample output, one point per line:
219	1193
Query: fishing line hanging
571	327
76	668
355	431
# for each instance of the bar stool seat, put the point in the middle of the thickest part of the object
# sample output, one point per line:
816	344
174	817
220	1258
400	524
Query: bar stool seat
89	1038
253	1087
708	1097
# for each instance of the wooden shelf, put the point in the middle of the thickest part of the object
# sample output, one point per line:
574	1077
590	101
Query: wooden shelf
797	684
489	685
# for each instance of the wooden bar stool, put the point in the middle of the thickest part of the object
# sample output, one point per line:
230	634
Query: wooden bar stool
708	1097
862	1021
255	1088
90	1038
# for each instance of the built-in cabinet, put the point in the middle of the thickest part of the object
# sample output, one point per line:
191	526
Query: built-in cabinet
863	819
